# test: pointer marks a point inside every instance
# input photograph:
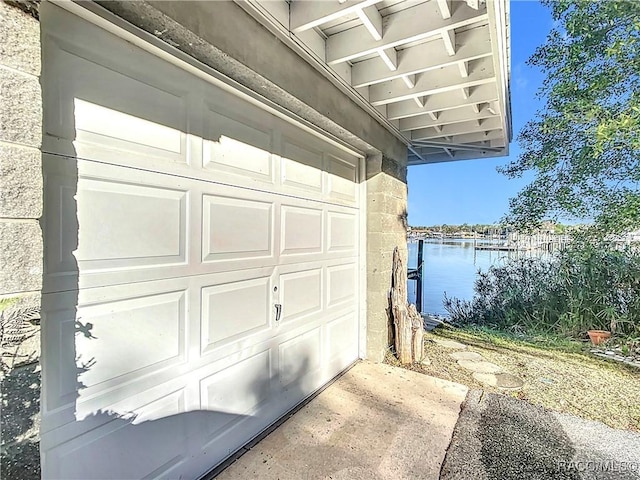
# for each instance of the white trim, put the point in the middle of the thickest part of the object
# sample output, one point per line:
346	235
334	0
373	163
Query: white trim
323	12
362	267
496	10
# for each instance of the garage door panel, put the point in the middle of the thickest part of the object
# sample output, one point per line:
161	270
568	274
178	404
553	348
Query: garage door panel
341	285
123	339
342	341
238	389
342	179
238	145
113	451
342	231
124	225
301	168
107	224
61	224
133	109
138	111
301	294
300	360
236	228
235	310
301	230
60	379
165	400
98	125
118	341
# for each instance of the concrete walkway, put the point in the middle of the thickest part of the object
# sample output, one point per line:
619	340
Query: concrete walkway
483	371
374	422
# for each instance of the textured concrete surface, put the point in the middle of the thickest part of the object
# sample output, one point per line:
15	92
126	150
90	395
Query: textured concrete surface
470	356
502	438
21	180
500	380
480	367
443	342
20	257
374	422
597	447
19	40
21	113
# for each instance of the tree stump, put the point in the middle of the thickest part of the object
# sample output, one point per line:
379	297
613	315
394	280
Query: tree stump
406	319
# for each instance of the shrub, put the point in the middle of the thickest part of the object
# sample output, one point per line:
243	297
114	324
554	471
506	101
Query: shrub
583	287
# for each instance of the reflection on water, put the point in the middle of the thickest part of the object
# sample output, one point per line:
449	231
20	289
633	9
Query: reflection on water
451	266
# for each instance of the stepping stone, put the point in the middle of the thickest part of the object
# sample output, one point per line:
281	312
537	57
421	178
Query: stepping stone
505	381
480	367
450	344
471	356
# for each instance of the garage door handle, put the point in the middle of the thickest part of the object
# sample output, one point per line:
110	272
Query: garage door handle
278	311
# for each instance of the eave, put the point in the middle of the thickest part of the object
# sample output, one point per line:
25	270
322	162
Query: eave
435	73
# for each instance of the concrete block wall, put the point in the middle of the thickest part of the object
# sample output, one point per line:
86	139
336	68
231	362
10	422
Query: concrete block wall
386	229
20	240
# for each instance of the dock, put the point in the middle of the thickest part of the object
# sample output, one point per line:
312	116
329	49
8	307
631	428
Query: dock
503	248
517	242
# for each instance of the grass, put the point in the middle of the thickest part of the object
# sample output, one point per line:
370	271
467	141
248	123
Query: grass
558	374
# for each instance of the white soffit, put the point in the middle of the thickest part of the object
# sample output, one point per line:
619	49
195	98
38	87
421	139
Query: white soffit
437	70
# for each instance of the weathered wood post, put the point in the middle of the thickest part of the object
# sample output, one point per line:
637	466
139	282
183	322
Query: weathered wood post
407	321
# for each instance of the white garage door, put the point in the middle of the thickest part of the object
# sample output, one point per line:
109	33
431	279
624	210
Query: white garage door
201	262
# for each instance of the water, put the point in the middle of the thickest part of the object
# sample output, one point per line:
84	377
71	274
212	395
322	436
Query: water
451	266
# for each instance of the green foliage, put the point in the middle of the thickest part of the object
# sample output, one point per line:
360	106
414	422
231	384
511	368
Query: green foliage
584	287
584	145
7	302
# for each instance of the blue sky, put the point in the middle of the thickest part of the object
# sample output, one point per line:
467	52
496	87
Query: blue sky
473	191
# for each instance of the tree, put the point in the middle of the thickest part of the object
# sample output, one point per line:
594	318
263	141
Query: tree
584	145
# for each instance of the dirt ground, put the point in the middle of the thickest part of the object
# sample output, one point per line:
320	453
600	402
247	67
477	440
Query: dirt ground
575	383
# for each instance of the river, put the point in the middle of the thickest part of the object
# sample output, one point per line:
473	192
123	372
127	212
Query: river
450	266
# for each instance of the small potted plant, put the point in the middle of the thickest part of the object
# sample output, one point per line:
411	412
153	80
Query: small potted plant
598	337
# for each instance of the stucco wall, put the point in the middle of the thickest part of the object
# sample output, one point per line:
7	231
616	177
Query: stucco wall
20	241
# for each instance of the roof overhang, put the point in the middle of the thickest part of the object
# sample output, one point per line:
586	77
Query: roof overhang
434	72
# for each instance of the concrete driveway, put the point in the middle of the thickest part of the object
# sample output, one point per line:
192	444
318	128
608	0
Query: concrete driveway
382	422
375	422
